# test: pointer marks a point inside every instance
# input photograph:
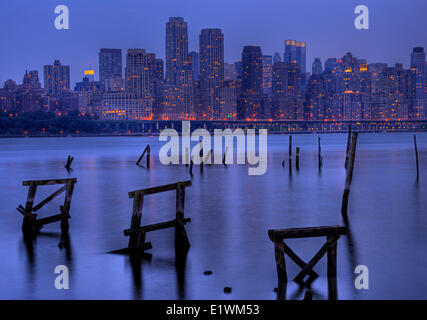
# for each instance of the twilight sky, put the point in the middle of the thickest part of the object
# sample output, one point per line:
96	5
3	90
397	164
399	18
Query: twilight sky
29	39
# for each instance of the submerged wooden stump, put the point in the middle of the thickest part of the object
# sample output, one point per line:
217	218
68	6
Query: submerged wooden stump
332	234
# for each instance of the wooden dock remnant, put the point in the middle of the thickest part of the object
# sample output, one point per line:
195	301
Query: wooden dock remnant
416	156
137	233
297	159
349	175
69	162
290	155
30	223
332	234
147	151
348	145
319	156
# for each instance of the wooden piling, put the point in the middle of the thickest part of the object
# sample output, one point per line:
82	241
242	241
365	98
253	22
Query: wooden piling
319	156
147	151
225	156
332	270
297	159
348	145
201	157
416	156
349	176
69	162
191	166
290	147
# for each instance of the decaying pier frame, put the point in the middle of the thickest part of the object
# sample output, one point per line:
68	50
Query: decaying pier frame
137	233
30	222
332	234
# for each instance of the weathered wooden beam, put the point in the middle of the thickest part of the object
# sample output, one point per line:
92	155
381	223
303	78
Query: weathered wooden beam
349	176
225	156
49	182
147	149
182	244
319	156
332	269
51	219
50	198
167	187
348	145
309	266
138	202
297	159
293	233
155	227
299	262
29	219
282	277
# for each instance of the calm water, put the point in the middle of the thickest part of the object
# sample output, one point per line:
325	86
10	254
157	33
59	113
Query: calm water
231	213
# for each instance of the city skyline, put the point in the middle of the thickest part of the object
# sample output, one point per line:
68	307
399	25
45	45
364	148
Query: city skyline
276	22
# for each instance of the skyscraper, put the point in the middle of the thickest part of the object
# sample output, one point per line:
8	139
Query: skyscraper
267	64
194	60
295	52
176	49
287	100
211	43
56	79
137	72
250	105
276	58
110	69
417	108
317	67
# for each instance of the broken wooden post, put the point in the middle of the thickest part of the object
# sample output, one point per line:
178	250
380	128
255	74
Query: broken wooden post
332	234
297	159
146	150
349	176
348	145
290	155
225	156
319	156
416	156
69	162
201	157
30	222
191	166
137	233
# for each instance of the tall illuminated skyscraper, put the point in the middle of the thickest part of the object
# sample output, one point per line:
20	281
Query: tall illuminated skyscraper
296	52
211	43
250	105
176	49
417	108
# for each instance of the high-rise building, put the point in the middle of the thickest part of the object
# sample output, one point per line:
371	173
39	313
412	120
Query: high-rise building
317	66
287	101
250	102
276	58
110	69
56	79
267	65
32	79
176	49
136	103
137	72
417	109
296	52
211	43
195	64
